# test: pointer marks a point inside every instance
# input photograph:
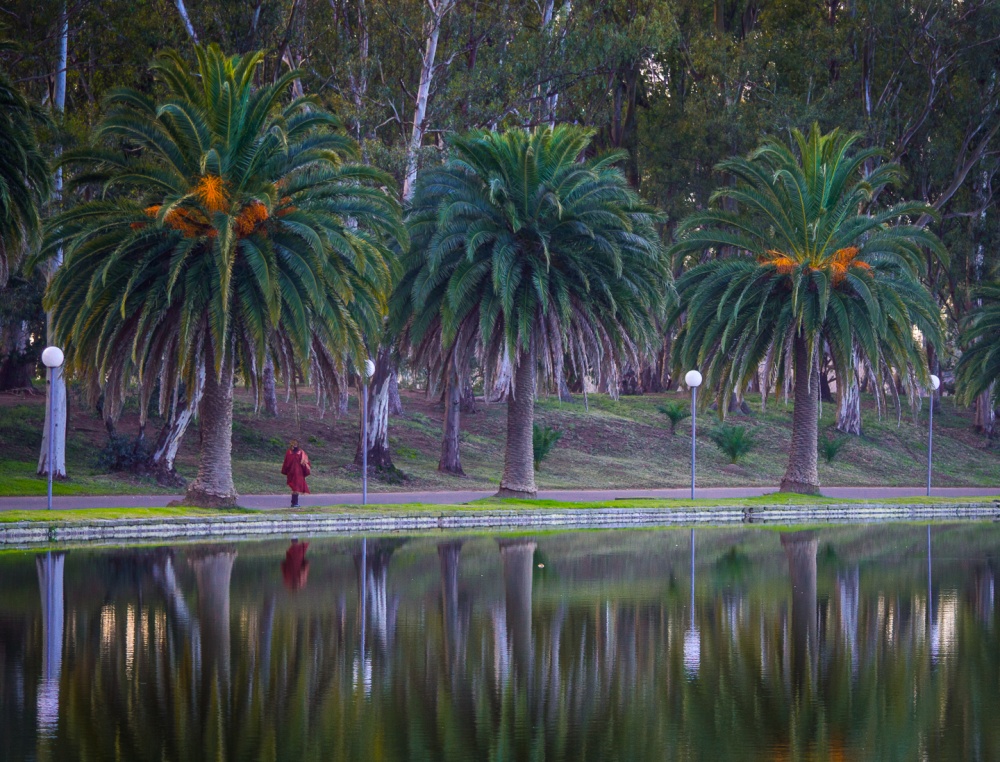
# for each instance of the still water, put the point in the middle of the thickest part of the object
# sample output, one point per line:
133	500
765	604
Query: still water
852	642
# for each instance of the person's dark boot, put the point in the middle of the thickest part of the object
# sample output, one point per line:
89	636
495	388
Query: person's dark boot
295	500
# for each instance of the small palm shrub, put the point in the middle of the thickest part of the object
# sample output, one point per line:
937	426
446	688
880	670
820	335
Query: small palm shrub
543	439
734	441
676	412
124	453
830	447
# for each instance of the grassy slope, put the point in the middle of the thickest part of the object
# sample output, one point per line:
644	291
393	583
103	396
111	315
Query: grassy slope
624	443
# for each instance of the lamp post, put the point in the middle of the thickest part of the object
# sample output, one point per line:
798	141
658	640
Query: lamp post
935	384
52	358
368	373
693	379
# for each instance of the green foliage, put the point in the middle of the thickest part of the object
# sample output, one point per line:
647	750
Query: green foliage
830	447
543	439
237	219
979	367
520	246
676	412
25	181
124	453
734	441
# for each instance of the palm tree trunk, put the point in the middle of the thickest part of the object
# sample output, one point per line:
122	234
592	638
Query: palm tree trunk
213	487
519	462
451	461
985	419
802	474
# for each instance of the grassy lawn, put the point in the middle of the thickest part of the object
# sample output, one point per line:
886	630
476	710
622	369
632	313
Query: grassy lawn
489	504
623	443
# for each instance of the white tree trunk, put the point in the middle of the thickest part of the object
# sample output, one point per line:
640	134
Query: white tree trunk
985	420
57	388
849	408
181	415
187	20
439	9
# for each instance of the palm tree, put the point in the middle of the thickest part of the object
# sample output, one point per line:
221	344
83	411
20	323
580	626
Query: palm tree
25	181
231	226
540	255
812	266
978	369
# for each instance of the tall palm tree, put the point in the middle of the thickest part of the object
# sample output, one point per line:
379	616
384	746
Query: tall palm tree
812	265
540	255
25	181
231	225
978	369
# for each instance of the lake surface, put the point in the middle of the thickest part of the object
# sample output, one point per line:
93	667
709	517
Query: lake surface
852	642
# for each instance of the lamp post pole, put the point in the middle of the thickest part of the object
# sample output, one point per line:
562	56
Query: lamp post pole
935	383
52	359
368	373
693	379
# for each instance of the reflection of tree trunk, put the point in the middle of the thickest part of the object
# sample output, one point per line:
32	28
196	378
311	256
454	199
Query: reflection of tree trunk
849	593
454	639
50	585
212	576
800	550
518	566
374	586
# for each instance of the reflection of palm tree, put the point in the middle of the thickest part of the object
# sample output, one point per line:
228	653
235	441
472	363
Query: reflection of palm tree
800	549
849	595
212	575
518	565
455	625
50	584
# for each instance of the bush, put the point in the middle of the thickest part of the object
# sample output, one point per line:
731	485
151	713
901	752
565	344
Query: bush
676	412
543	439
124	453
734	441
829	448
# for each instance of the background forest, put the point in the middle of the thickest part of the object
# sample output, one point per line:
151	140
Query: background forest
680	85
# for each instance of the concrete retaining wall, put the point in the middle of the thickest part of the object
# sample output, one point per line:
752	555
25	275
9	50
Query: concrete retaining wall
29	533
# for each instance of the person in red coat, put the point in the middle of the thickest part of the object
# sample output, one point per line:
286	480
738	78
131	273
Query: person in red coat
296	469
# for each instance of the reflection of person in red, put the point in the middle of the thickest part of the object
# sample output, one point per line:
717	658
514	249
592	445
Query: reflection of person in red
296	468
295	567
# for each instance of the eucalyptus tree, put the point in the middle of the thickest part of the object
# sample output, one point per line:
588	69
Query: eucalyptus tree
231	225
25	181
542	254
814	264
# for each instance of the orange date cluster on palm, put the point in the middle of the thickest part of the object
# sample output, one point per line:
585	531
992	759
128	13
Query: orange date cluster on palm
837	264
193	222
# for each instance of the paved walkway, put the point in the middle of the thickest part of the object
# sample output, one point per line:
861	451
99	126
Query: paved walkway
354	498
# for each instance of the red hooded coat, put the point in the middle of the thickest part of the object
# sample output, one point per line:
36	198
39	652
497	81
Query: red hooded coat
296	471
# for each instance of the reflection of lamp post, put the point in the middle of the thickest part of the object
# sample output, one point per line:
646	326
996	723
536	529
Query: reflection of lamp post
52	358
692	638
693	379
368	373
935	383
